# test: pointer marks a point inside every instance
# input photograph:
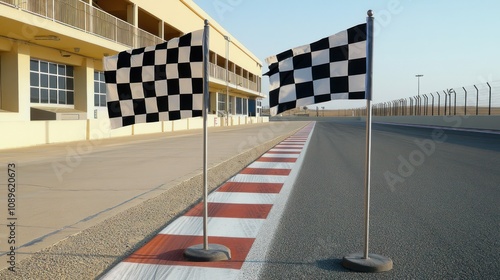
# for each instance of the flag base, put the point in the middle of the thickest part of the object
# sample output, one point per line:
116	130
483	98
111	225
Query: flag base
374	263
215	252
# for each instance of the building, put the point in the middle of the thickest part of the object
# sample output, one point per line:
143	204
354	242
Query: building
51	81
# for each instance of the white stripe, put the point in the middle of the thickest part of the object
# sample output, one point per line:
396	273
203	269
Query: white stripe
289	146
242	198
134	271
250	178
277	165
281	155
256	258
225	227
285	150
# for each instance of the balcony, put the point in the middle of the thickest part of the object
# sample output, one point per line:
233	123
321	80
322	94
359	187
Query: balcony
221	73
84	17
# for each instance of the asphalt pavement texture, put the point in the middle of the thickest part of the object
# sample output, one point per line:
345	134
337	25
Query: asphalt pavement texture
434	205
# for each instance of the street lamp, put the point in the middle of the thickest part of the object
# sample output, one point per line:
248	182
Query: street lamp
418	78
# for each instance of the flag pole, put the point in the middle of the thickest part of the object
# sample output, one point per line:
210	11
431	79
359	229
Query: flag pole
206	251
366	262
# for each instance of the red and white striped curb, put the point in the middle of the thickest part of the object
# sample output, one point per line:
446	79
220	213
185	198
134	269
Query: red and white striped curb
236	212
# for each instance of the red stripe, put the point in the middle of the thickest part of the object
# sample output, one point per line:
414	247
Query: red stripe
282	152
251	187
166	249
265	171
229	210
285	147
273	159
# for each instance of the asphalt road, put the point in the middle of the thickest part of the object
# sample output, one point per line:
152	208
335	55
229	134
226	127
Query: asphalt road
435	207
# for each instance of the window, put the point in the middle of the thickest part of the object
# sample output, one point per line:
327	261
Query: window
239	106
51	83
99	89
221	102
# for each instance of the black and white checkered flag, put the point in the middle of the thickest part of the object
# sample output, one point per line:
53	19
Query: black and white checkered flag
158	83
331	68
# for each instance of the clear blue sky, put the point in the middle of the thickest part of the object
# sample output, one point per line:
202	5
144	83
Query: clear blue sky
452	43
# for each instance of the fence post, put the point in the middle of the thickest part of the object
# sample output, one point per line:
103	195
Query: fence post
432	106
465	107
417	102
477	100
455	105
426	108
415	105
489	101
439	103
449	102
445	101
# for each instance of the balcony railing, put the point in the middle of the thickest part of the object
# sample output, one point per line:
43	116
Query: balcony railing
82	16
220	73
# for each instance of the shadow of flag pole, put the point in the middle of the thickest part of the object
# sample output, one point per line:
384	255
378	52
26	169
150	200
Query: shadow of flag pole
366	262
206	251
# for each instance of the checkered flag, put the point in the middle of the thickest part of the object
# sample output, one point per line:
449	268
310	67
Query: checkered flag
158	83
331	68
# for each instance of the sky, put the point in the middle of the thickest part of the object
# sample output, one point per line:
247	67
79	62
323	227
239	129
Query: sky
452	43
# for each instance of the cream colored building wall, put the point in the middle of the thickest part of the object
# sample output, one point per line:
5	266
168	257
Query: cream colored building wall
65	131
28	134
84	85
17	130
15	81
186	16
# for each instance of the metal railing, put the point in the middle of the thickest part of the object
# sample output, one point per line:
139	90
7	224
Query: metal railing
219	72
480	99
82	16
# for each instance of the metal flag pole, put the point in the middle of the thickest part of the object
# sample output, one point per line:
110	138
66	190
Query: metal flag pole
205	134
365	262
206	251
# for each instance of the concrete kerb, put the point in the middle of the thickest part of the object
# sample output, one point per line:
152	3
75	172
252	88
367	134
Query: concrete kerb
93	251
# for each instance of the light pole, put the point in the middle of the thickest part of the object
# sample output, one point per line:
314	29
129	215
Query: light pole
418	86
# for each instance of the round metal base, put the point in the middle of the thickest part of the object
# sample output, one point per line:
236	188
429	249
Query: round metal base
215	252
374	263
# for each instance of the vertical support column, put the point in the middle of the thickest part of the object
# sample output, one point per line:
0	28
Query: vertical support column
133	14
133	18
84	87
228	40
16	81
161	29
